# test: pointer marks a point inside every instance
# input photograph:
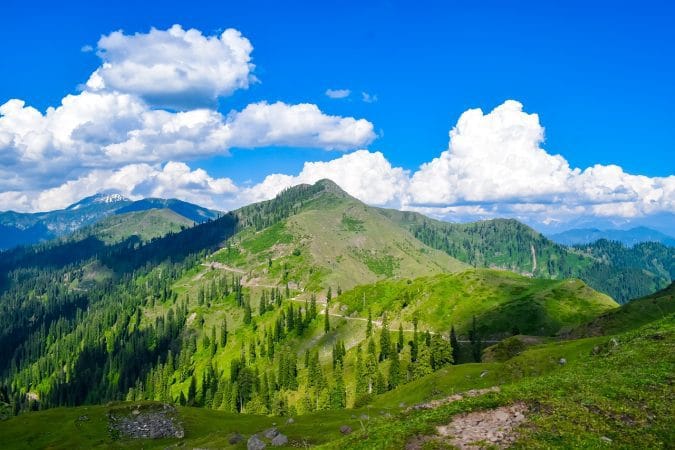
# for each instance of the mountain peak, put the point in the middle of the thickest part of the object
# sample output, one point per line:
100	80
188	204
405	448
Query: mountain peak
99	198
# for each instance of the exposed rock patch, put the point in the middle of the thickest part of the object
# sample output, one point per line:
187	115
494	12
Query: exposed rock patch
151	421
494	427
432	404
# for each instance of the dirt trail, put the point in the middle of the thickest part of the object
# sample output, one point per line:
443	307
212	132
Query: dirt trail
378	324
221	266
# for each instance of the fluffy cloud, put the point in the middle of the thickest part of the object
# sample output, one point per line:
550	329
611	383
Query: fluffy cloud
176	68
495	162
104	129
338	93
115	121
136	181
366	175
303	125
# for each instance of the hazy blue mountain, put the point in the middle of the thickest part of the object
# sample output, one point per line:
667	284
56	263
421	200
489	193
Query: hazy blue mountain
30	228
580	236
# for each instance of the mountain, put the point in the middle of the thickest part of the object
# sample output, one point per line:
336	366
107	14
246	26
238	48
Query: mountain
313	306
580	236
622	273
331	239
30	228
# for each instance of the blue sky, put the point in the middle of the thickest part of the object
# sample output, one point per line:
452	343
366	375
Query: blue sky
600	77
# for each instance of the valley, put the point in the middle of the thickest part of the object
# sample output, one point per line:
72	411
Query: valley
312	311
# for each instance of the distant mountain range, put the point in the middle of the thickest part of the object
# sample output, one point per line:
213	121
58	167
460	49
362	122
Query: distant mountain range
30	228
580	236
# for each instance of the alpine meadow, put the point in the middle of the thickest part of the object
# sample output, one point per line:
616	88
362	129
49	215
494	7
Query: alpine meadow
229	226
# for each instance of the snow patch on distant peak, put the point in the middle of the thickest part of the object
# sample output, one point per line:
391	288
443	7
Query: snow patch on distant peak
110	198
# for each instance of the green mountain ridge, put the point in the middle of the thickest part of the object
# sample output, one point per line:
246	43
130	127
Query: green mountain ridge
333	240
610	267
501	302
300	306
582	236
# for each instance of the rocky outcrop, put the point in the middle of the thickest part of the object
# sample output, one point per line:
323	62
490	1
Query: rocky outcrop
151	421
495	427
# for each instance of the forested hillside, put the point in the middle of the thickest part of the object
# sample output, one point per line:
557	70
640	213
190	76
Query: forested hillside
619	271
247	313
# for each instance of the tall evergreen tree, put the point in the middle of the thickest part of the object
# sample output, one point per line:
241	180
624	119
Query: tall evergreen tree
326	320
223	333
385	339
394	370
441	352
401	340
454	343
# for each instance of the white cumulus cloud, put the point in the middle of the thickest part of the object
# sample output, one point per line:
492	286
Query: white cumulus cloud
175	67
368	176
135	181
496	161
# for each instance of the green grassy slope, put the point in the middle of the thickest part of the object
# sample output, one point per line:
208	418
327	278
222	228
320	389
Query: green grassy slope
500	301
621	272
630	315
613	391
86	427
332	240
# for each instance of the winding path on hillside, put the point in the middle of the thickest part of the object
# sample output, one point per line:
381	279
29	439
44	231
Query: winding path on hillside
322	301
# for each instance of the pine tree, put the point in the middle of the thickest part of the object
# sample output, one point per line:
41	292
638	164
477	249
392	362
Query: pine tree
454	343
361	387
401	342
441	352
423	364
192	392
312	307
247	313
369	325
338	392
326	320
385	339
223	333
394	370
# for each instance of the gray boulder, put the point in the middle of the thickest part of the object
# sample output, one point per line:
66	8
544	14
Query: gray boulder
279	440
270	433
255	443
